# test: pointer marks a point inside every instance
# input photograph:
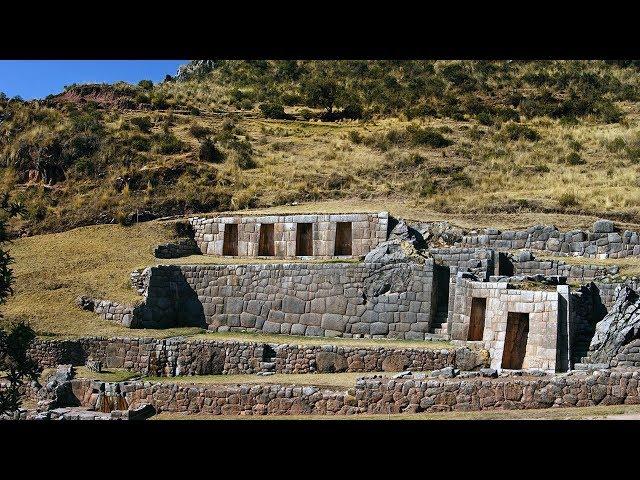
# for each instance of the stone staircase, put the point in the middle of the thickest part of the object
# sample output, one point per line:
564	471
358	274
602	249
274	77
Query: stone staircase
439	326
268	363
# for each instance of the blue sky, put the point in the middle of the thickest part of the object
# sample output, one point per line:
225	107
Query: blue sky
38	78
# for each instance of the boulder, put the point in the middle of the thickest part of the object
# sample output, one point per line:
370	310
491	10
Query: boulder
619	327
330	362
395	363
603	226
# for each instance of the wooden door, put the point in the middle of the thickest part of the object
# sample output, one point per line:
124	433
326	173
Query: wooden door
266	246
304	239
515	341
476	322
343	239
230	244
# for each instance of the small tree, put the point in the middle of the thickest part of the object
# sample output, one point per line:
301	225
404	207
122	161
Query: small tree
14	341
15	361
322	92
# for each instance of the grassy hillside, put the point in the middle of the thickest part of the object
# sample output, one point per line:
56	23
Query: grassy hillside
461	140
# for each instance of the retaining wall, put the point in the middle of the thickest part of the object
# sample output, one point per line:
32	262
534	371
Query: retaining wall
601	242
341	299
376	395
180	356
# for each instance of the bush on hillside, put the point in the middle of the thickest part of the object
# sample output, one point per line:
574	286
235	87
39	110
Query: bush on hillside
574	158
427	136
168	144
143	123
209	152
274	110
515	131
199	131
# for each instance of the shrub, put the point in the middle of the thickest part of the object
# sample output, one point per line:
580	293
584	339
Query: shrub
427	136
143	123
616	145
243	153
140	143
159	102
145	84
199	131
355	137
83	145
85	166
485	118
353	111
429	187
306	114
168	144
575	145
633	153
515	131
273	110
567	200
574	159
461	179
209	152
124	219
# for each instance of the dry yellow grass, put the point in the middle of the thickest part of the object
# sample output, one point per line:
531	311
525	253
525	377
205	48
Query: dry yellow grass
299	340
340	381
52	270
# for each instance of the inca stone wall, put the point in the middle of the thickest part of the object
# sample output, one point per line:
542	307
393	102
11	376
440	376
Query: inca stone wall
368	230
548	323
375	395
524	263
629	356
510	393
180	356
480	261
123	314
182	247
349	300
599	242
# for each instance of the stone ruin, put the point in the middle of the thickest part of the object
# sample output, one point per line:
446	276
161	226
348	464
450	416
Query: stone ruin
412	281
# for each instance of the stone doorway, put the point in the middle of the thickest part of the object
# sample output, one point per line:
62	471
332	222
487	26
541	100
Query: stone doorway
476	321
304	239
266	246
515	341
343	239
230	244
505	265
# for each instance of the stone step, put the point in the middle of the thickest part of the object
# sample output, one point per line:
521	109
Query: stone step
268	366
436	336
590	366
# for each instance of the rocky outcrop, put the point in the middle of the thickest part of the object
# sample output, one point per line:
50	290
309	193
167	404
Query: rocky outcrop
618	328
195	68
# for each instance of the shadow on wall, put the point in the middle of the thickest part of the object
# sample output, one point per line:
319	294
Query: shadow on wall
171	301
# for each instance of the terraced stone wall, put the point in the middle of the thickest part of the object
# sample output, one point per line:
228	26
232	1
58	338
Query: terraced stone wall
180	356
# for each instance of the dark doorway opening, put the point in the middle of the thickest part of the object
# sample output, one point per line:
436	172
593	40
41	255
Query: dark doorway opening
515	341
441	277
505	265
266	246
304	239
343	238
230	244
476	322
268	353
